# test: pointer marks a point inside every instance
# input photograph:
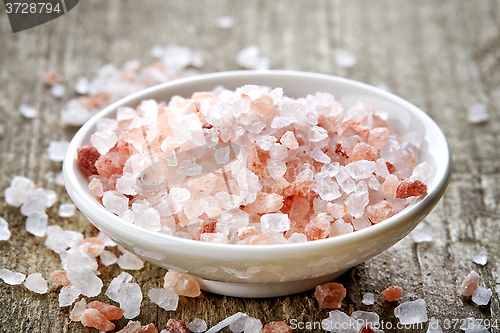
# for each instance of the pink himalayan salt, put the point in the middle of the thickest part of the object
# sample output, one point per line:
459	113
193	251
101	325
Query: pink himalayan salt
262	105
77	310
363	151
379	212
135	327
246	232
300	207
176	326
378	137
410	188
96	188
110	312
149	328
336	210
340	227
469	284
60	278
390	185
52	78
276	327
182	284
319	227
366	329
92	245
267	238
392	293
87	157
265	203
93	318
288	140
330	295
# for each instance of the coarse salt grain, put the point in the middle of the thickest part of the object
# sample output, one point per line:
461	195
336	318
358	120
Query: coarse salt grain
166	299
28	111
412	312
10	277
67	210
368	299
481	296
4	230
35	282
481	258
57	150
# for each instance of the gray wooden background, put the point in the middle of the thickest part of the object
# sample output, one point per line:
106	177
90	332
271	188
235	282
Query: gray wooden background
443	56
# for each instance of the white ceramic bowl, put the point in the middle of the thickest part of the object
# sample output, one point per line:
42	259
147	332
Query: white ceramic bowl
268	270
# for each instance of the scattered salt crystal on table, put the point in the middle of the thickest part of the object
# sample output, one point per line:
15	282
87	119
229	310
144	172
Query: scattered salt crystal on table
368	299
434	326
35	282
113	291
93	318
481	296
477	113
338	321
76	259
481	258
68	295
252	325
109	311
166	299
345	59
59	179
85	280
176	326
130	261
224	22
4	230
108	242
422	233
392	293
58	90
57	150
182	284
130	298
28	111
18	191
471	325
365	318
249	58
78	309
412	312
469	284
238	325
10	277
36	223
330	295
38	201
108	258
276	327
67	210
82	85
226	322
198	325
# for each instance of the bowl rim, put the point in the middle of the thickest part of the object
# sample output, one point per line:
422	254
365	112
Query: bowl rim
84	201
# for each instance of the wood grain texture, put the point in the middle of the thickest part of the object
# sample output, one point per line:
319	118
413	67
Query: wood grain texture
440	55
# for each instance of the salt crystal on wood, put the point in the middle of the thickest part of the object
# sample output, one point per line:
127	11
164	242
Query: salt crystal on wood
368	299
176	326
28	111
85	280
198	325
477	113
130	261
57	150
471	325
345	59
166	299
10	277
224	22
36	223
276	327
35	282
82	85
330	295
93	318
469	284
19	190
67	210
481	296
182	284
114	287
225	322
109	311
481	258
68	295
60	278
58	90
108	258
4	230
422	233
392	293
130	298
412	312
77	310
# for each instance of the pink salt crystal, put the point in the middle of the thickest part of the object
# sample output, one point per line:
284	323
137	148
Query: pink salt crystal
288	140
52	78
96	188
132	327
87	158
336	210
149	328
176	326
262	105
300	207
469	284
109	165
302	188
92	245
93	318
77	310
330	295
392	293
268	238
363	151
182	284
390	186
265	203
60	278
378	137
319	227
340	227
256	161
276	327
110	312
246	232
379	212
410	188
366	329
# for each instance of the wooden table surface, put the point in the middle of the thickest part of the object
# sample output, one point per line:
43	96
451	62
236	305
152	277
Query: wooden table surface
443	56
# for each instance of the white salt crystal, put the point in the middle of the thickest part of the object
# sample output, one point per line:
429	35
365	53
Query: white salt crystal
126	184
198	325
225	322
67	210
4	230
345	59
221	155
77	259
297	237
232	221
224	22
75	113
10	277
104	141
57	150
192	208
19	190
434	326
318	155
108	258
339	322
256	127
107	241
188	167
130	261
252	325
82	85
477	113
35	282
360	169
364	318
317	133
331	169
422	172
36	223
166	299
412	312
275	222
130	298
37	201
280	122
28	111
85	280
481	296
149	219
249	58
68	295
179	194
381	168
326	188
471	325
368	299
276	168
265	141
422	233
481	258
49	177
238	325
114	287
357	201
345	181
58	90
115	203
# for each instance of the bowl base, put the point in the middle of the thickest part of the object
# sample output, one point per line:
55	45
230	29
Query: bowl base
261	290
